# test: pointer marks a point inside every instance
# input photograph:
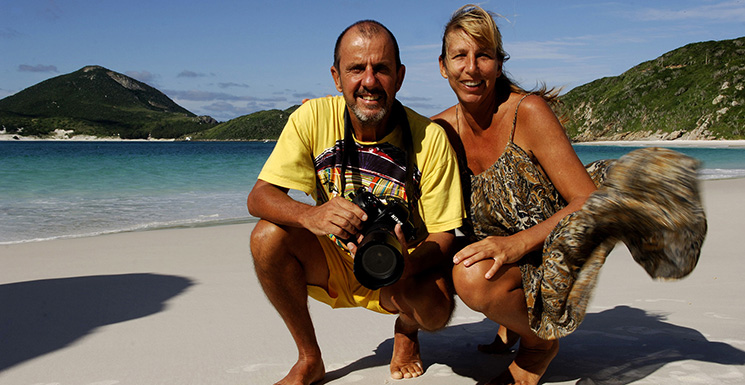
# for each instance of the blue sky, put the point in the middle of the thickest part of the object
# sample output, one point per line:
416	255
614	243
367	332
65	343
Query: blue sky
230	58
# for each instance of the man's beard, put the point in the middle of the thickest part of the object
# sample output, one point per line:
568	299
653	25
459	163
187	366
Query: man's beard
369	118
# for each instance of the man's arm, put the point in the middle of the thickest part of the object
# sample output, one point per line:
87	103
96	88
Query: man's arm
338	216
434	251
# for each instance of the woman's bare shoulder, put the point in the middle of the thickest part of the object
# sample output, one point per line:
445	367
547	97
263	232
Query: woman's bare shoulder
537	123
447	115
446	118
532	104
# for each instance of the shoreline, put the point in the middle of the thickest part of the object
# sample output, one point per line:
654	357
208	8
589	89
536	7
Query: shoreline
85	138
170	226
33	234
206	224
715	143
76	138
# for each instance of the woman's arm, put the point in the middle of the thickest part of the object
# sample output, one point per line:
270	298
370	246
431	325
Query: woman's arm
541	135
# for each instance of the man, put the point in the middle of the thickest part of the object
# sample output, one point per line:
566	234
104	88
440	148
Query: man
329	148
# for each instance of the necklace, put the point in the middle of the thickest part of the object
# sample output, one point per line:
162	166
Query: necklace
457	119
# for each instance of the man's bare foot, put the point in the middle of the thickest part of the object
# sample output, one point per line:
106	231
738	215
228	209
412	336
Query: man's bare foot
304	372
503	342
529	365
406	362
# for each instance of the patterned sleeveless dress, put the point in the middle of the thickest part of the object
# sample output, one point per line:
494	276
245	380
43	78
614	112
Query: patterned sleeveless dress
648	199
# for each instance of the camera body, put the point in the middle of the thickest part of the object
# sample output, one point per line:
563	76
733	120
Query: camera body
379	260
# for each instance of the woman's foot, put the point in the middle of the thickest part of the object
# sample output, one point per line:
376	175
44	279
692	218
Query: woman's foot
503	342
529	365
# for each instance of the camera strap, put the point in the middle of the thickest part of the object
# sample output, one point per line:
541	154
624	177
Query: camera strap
398	117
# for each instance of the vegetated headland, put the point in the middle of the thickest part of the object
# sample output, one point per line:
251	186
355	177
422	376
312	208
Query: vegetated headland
692	93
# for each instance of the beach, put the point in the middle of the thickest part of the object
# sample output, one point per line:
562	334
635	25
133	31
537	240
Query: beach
669	143
183	306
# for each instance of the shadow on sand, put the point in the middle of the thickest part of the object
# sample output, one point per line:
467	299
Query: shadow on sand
39	317
616	346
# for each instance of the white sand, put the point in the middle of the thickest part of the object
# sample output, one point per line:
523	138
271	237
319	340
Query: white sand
670	143
184	307
60	134
65	136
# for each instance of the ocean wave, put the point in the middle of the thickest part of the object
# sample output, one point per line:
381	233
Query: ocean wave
202	221
72	190
720	173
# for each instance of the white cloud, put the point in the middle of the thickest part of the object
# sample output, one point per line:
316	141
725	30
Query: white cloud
422	47
197	95
144	76
232	84
37	68
728	10
9	33
190	74
223	111
542	50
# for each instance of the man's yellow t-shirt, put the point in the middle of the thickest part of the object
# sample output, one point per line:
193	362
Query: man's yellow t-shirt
307	157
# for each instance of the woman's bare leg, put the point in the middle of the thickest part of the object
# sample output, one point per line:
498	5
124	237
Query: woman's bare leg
503	342
502	300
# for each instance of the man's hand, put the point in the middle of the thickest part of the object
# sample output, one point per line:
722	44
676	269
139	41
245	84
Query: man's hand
399	232
338	216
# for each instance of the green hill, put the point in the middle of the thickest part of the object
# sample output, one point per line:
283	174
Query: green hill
694	92
99	102
259	125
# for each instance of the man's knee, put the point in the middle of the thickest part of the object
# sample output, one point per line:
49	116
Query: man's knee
263	228
264	238
442	306
276	248
428	299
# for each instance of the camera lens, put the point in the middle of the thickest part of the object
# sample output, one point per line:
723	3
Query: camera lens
379	261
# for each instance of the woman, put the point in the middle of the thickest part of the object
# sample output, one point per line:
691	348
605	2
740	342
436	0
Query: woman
525	186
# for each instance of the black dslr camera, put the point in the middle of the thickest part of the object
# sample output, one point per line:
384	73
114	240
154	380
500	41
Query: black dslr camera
379	260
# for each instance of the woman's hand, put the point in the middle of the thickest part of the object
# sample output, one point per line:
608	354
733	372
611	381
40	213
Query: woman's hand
503	250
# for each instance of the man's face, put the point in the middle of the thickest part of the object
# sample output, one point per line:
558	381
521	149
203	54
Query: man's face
367	76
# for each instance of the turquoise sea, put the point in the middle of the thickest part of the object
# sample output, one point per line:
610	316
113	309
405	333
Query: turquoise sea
61	189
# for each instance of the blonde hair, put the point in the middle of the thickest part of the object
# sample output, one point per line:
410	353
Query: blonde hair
479	24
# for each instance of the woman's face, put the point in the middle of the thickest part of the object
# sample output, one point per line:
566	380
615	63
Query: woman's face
471	70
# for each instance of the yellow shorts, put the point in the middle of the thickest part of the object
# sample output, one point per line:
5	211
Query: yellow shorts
344	289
